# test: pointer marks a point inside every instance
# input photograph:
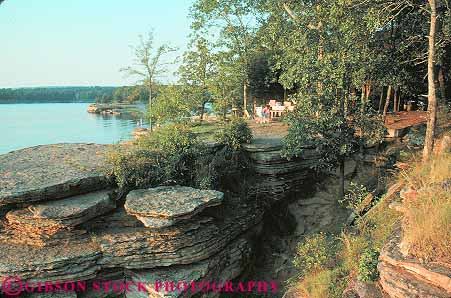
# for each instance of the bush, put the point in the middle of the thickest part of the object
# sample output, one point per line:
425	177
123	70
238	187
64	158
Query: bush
368	265
133	168
354	196
327	283
235	134
167	155
315	253
415	136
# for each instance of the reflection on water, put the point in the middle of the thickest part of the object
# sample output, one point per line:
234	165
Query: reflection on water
25	125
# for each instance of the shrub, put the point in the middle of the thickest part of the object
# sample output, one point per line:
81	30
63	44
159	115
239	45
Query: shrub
133	168
415	136
166	156
235	134
354	196
354	246
315	253
368	265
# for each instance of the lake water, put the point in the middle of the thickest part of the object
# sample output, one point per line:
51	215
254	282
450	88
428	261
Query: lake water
26	125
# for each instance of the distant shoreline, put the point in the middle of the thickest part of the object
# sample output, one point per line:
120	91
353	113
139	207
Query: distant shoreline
45	101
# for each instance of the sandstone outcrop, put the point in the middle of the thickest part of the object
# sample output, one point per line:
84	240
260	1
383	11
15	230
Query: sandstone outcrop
277	176
63	262
62	222
224	266
49	172
51	222
405	277
164	206
186	242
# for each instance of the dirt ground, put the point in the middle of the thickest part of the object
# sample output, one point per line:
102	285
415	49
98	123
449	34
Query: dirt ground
272	130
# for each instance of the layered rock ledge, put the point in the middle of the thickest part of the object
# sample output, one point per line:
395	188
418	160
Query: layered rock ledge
49	172
64	223
276	176
166	205
405	277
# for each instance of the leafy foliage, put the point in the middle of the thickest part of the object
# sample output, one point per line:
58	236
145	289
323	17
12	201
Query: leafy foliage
195	75
368	265
315	253
235	134
166	156
171	105
354	196
325	130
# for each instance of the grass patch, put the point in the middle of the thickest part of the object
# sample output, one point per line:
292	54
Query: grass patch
427	205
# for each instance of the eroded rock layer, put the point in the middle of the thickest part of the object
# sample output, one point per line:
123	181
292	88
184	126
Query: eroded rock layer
51	172
164	206
276	176
52	222
404	277
187	242
176	281
60	223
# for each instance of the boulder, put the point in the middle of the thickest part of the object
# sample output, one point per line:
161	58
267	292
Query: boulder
51	172
163	206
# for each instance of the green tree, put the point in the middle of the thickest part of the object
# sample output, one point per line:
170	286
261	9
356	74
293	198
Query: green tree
324	73
195	74
148	65
224	84
236	22
171	105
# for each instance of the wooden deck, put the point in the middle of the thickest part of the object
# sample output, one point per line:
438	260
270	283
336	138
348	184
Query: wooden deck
398	123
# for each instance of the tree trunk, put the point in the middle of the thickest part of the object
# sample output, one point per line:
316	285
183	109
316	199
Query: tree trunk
368	91
224	113
202	111
399	100
363	99
395	100
442	84
381	99
387	102
362	111
245	95
341	189
150	107
432	98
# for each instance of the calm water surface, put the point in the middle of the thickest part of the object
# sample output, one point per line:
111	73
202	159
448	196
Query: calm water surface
26	125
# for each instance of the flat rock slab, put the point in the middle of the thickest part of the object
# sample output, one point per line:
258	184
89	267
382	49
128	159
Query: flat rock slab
163	206
68	212
66	262
49	172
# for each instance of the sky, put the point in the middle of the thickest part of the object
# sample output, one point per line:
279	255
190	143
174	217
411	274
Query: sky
83	42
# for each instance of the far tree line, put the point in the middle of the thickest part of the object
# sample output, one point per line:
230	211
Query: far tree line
54	94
